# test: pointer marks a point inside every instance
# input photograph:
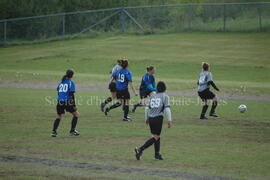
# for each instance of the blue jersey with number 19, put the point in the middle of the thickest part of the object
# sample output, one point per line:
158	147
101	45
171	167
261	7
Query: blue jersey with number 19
64	89
122	78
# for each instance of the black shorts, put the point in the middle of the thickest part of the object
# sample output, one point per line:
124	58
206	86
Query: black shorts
155	124
63	106
144	94
123	94
206	94
112	87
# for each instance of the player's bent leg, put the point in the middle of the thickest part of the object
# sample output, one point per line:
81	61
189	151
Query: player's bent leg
73	131
126	110
158	156
116	105
141	103
139	151
204	109
213	108
56	124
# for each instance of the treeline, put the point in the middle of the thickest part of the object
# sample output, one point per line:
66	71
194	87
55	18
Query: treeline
24	8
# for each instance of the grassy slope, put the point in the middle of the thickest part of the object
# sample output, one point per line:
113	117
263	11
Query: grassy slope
238	59
235	145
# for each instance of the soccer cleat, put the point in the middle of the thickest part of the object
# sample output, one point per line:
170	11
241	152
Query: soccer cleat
138	153
128	119
74	133
158	157
102	106
54	134
106	111
203	118
213	115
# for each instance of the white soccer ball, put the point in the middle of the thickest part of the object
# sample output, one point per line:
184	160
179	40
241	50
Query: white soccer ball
242	108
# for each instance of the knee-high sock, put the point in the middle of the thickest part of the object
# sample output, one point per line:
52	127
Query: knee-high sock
116	105
204	109
56	124
148	143
126	110
138	105
157	146
214	105
73	123
108	100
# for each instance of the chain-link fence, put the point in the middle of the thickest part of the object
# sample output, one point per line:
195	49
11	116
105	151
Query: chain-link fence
210	17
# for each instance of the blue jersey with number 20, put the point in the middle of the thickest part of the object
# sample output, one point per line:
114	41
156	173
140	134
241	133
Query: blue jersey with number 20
64	89
122	78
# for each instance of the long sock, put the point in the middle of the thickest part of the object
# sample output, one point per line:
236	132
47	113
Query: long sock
157	146
56	124
148	143
137	105
204	109
126	111
73	123
108	100
116	105
214	105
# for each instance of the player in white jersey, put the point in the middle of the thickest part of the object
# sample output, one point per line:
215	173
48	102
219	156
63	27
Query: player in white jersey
204	82
154	112
112	85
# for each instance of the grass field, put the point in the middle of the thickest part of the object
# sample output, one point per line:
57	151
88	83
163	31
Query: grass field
234	146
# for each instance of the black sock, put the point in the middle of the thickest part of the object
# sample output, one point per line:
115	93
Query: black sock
115	105
126	111
56	124
214	105
204	109
148	143
137	105
73	123
157	146
109	99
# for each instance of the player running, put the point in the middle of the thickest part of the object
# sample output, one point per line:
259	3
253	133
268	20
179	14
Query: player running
204	82
148	85
66	102
123	80
154	111
112	85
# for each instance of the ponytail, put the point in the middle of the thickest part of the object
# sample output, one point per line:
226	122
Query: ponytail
68	75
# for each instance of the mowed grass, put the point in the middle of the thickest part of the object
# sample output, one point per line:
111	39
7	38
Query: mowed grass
240	61
234	145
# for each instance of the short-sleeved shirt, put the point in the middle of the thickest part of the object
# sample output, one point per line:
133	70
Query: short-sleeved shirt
157	103
146	81
122	78
64	89
203	80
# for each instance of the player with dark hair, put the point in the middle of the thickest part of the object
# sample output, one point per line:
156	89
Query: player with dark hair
204	82
148	85
66	102
154	112
123	80
112	85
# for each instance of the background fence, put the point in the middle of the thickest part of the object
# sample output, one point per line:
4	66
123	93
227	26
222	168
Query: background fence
211	17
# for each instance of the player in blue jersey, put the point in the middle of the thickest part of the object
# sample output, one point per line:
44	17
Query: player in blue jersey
123	78
148	85
66	102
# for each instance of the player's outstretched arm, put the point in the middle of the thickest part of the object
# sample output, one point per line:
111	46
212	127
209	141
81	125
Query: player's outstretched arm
213	85
146	110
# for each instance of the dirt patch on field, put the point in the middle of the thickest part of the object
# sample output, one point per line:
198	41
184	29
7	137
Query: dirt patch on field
102	87
92	166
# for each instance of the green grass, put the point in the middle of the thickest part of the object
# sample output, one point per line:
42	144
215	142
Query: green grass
238	59
235	145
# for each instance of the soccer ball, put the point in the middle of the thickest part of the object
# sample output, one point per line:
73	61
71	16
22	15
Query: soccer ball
242	108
